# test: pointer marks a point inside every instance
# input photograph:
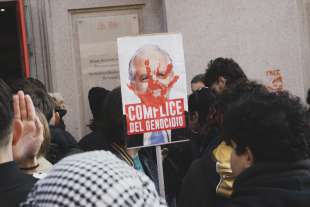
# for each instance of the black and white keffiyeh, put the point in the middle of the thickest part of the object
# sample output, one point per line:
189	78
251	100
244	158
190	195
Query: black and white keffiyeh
95	178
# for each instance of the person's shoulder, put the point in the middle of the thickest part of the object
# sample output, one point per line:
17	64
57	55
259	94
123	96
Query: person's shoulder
197	164
92	141
62	136
56	133
205	161
28	180
197	168
16	194
202	171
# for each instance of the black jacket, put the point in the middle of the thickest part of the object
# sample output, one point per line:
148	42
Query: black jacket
93	141
62	144
14	185
273	185
199	184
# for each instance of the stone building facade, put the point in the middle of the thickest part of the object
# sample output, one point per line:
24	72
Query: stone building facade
72	43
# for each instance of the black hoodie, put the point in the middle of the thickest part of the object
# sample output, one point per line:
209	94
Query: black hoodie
274	185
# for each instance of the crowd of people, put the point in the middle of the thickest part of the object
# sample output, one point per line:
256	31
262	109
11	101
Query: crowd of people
248	147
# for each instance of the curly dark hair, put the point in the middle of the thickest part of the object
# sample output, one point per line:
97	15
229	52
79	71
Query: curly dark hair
200	101
272	125
225	67
236	90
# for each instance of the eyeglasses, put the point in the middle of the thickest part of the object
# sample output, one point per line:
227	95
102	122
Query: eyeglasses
61	112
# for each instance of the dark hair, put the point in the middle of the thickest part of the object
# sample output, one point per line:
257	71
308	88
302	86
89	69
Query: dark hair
6	113
272	125
21	85
225	67
96	97
113	119
41	99
43	102
27	85
198	78
114	122
37	83
235	91
200	102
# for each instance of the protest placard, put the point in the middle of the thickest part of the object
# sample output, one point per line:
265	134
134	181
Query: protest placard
153	84
274	80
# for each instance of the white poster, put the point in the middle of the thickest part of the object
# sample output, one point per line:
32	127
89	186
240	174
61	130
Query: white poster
153	84
274	80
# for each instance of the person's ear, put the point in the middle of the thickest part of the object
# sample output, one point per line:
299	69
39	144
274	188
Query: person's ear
221	81
221	84
17	131
249	158
57	118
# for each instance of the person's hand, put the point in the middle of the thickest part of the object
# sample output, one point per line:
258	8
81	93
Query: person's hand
27	145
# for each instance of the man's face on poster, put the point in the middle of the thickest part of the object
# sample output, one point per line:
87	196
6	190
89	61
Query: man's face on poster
153	76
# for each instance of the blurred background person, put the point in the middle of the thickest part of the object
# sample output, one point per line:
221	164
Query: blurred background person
60	110
114	121
199	104
62	142
197	82
211	174
269	134
95	140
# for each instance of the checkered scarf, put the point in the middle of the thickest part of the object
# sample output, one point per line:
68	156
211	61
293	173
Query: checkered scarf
95	178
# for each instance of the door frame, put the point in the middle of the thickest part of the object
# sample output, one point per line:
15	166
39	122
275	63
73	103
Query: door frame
63	67
22	35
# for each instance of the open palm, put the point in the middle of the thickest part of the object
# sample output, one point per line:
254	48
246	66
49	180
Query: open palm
31	138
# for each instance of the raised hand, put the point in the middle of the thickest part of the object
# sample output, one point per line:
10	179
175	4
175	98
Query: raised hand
27	145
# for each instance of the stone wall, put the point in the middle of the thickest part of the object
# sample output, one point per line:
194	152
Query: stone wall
259	35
